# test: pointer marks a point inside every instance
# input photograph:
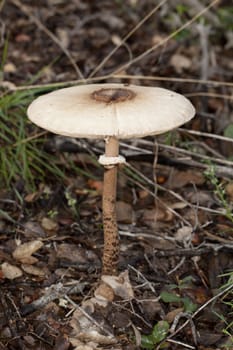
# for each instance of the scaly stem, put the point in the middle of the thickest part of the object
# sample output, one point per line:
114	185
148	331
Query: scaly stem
111	237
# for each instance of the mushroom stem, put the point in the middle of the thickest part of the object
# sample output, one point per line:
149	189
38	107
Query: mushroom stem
111	237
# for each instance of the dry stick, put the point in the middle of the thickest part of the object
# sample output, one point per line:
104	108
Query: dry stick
121	76
132	312
198	311
198	6
194	154
172	193
177	342
55	291
2	32
154	195
2	5
206	148
30	138
204	32
220	170
26	11
206	134
189	153
151	49
169	79
209	94
105	330
123	41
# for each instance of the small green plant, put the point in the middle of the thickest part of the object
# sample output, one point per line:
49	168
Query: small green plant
21	145
157	335
72	203
219	191
181	9
187	304
228	132
227	319
3	59
225	15
174	295
52	213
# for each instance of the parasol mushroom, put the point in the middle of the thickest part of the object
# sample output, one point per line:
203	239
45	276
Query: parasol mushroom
111	112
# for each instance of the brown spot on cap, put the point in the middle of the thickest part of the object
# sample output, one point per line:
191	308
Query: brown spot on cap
113	95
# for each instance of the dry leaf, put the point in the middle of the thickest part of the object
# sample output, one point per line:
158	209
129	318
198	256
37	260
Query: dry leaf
22	38
31	197
85	331
10	271
120	284
170	316
104	293
179	179
33	270
180	62
24	251
76	254
33	229
229	190
124	212
9	68
151	216
183	234
49	224
96	185
63	37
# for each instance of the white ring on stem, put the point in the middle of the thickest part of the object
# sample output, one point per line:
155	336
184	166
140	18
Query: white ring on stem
109	162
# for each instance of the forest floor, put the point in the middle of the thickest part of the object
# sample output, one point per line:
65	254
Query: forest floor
175	195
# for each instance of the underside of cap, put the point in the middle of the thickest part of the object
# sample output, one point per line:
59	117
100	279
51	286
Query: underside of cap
101	110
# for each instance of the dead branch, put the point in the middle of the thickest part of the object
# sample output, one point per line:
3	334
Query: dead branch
202	307
170	36
54	292
208	248
53	37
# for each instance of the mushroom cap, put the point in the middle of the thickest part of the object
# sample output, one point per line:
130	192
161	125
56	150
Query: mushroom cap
101	110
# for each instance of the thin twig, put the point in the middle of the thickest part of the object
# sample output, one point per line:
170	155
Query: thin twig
117	76
2	4
230	287
174	194
55	291
89	317
153	194
171	79
53	37
209	94
177	342
162	42
148	283
194	154
123	41
132	312
204	31
206	134
198	6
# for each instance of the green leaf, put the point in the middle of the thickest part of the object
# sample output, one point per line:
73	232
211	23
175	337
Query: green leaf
228	132
147	342
189	306
181	9
160	331
170	297
184	34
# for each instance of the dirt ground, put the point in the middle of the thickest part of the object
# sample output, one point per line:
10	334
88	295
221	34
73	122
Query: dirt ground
175	220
